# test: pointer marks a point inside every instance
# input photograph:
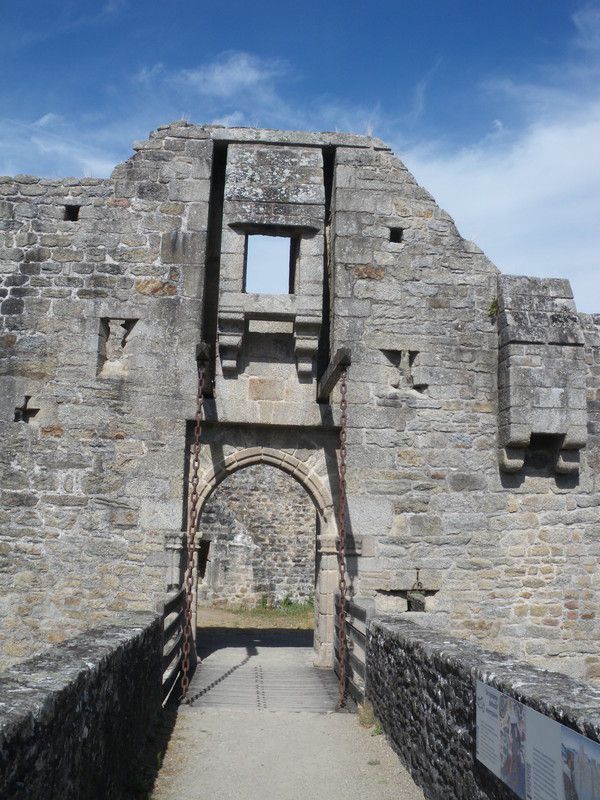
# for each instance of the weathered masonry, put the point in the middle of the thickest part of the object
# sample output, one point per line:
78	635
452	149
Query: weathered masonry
474	398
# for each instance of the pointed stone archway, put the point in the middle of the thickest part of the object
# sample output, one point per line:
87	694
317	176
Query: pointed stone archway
309	476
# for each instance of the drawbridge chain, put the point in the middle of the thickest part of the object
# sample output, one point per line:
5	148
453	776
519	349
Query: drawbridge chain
188	638
342	648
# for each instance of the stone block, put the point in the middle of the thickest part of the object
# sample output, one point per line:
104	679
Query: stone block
265	389
183	247
192	190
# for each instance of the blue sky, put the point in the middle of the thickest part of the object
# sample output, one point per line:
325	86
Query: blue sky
495	106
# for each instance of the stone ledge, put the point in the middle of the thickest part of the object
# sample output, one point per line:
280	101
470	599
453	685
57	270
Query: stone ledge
273	136
72	723
559	696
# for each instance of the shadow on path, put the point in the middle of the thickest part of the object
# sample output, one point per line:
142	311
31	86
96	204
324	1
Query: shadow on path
210	640
150	761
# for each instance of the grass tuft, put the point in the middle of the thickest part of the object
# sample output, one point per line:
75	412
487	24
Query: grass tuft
366	715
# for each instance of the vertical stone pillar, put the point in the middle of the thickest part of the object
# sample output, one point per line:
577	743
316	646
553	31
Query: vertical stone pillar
327	582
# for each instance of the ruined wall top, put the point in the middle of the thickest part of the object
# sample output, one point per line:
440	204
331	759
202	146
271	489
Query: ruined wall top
221	133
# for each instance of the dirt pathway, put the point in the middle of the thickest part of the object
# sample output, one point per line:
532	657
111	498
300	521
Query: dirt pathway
263	727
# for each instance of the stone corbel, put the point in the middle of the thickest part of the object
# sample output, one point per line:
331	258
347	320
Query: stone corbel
306	342
566	456
231	335
567	462
511	459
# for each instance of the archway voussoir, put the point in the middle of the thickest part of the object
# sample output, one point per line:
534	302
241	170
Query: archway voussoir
253	455
304	472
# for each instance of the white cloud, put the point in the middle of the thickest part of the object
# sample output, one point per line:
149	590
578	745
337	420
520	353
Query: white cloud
232	74
529	194
533	206
47	120
587	23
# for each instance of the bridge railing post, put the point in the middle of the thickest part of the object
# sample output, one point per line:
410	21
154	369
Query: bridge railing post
173	619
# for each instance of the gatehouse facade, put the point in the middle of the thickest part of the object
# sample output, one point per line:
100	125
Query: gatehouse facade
473	397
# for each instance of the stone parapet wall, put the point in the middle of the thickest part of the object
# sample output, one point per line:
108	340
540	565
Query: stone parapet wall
422	684
75	721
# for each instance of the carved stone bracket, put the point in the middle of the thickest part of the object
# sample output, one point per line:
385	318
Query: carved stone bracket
231	335
306	341
541	373
234	324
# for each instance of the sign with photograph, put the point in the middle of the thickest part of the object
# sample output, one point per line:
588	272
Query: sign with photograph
537	757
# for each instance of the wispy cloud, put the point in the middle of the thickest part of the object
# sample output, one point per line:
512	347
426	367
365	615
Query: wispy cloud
67	19
237	86
527	191
42	148
587	23
47	120
114	6
147	75
419	94
233	73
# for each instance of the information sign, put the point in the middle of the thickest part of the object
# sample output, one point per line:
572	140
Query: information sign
537	757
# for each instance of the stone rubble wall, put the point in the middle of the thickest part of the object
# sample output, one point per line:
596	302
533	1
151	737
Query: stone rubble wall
261	525
75	721
422	684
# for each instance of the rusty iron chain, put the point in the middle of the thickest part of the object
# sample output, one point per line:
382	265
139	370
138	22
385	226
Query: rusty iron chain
342	644
188	638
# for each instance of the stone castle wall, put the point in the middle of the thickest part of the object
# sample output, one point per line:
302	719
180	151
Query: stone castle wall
92	482
422	686
473	441
260	531
508	558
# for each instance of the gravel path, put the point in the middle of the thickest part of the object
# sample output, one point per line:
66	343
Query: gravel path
262	727
277	755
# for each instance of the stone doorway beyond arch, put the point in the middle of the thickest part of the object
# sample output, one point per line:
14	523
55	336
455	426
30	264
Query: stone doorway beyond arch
310	475
258	543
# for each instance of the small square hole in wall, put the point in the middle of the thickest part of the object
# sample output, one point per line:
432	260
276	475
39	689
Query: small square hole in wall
396	235
72	213
270	264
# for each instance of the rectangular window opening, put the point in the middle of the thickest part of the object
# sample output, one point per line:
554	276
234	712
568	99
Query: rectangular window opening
270	264
72	213
396	235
